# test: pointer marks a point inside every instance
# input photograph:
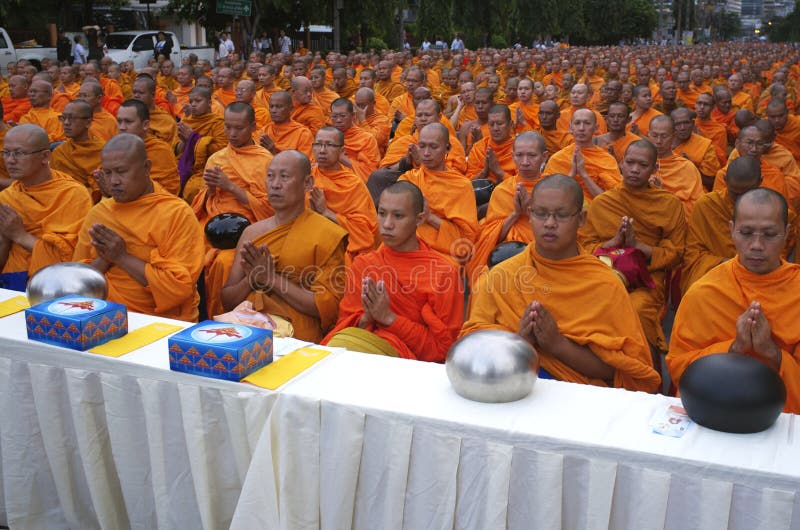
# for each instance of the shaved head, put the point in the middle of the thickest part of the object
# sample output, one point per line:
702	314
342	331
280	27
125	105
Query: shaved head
33	135
564	183
403	186
744	170
763	197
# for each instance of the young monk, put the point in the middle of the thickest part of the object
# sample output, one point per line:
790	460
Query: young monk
643	111
618	137
162	124
603	343
304	109
787	127
491	157
375	123
79	155
361	152
709	128
690	145
675	174
748	304
282	133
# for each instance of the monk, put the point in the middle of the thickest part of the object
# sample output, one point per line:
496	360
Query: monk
367	79
686	93
491	157
526	110
404	299
787	127
403	105
407	126
601	344
344	86
578	100
709	128
780	157
164	77
162	125
290	264
201	133
618	137
266	81
361	152
282	133
133	117
340	194
463	106
451	217
384	85
112	92
16	104
67	88
505	218
675	174
695	148
366	117
723	112
321	94
79	155
739	98
40	212
104	124
305	110
40	93
643	111
185	84
475	130
225	93
245	92
592	166
555	138
145	240
748	304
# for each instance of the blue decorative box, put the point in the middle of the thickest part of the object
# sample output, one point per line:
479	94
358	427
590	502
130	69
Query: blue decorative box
76	322
220	350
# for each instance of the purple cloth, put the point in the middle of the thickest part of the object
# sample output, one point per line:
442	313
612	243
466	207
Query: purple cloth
186	161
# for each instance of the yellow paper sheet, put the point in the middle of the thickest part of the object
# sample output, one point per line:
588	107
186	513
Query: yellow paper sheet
276	374
13	305
136	339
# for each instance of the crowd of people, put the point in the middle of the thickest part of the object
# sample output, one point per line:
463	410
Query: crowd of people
626	180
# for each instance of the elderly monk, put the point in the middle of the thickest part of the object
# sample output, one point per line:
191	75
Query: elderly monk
506	215
491	157
698	149
463	106
225	93
40	93
282	133
709	128
675	173
79	155
602	343
640	216
40	212
361	152
375	123
618	137
787	127
305	110
133	117
202	133
643	111
17	103
290	264
246	92
145	240
747	305
592	166
451	217
340	194
404	299
555	138
104	124
162	124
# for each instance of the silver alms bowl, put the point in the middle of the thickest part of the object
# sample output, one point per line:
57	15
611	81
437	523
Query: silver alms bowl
62	279
492	366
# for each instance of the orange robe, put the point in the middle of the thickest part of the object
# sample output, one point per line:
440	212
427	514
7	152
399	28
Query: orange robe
450	196
167	82
405	104
163	125
289	135
742	100
322	251
706	320
467	113
211	129
660	222
601	166
349	90
555	139
405	126
681	178
606	322
688	97
618	147
389	89
47	119
347	196
52	211
15	108
161	230
79	160
379	126
263	96
163	166
777	157
324	98
456	158
699	150
311	115
225	97
504	152
112	95
211	125
103	126
789	136
423	293
61	99
718	136
643	121
771	177
565	118
182	98
362	150
727	121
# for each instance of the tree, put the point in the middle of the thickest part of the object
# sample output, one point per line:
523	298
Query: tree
434	18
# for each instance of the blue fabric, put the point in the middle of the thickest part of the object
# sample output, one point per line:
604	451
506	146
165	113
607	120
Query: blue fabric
16	281
544	374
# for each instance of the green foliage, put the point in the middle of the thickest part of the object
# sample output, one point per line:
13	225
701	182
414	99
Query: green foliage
374	43
498	41
786	29
433	18
730	26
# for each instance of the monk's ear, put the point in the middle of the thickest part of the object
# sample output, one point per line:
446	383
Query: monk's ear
146	125
308	183
731	226
582	217
147	166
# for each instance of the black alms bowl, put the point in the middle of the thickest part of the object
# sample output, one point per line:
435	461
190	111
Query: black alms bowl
223	230
505	250
483	191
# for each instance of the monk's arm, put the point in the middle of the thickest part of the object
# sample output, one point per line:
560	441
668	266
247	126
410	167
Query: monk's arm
581	359
133	266
510	221
295	295
5	248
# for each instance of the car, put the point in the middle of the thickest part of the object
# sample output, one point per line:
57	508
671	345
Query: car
139	47
11	54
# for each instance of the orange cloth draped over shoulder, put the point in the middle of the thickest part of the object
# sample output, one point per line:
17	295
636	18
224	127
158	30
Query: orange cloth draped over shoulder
322	251
163	166
781	159
79	160
263	96
701	152
112	95
660	222
555	140
424	292
405	126
606	322
349	90
161	230
163	126
601	166
324	98
504	153
771	177
467	113
706	320
210	125
742	100
289	135
15	108
450	196
182	99
681	178
310	115
618	147
53	212
789	136
103	126
726	120
389	89
379	126
362	150
47	119
225	97
405	104
718	136
347	196
643	121
456	158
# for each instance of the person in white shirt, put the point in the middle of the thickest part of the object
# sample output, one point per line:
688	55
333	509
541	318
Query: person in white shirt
285	43
229	44
426	44
78	51
457	44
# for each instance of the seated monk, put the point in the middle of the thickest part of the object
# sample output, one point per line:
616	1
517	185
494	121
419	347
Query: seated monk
408	125
555	139
637	215
375	123
675	173
366	79
475	130
787	127
282	133
305	110
361	153
17	103
602	343
321	94
185	80
104	124
340	194
404	104
463	106
112	92
290	264
42	210
723	112
780	157
201	133
643	111
5	180
404	299
344	86
384	85
216	106
145	240
592	166
618	137
79	155
578	99
526	110
225	92
134	118
710	129
40	93
451	217
747	305
491	157
506	215
690	145
266	82
162	124
67	89
246	93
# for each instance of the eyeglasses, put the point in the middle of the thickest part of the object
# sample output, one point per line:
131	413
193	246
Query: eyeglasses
768	237
19	154
70	117
318	145
544	215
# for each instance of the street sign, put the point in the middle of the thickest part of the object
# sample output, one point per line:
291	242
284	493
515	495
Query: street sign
241	8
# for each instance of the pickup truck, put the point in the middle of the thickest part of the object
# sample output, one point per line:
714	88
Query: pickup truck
138	46
10	54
